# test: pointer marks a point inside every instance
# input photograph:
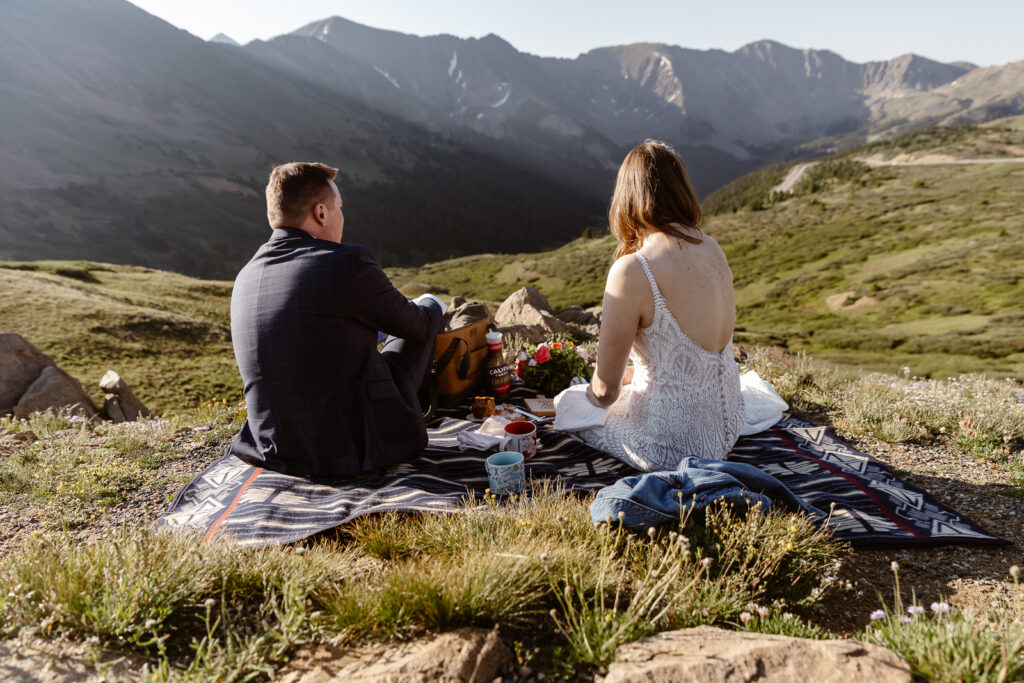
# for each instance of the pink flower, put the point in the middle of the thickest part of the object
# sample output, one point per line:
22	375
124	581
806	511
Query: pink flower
542	355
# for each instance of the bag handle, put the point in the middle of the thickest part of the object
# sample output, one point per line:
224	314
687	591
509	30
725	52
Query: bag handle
449	354
432	393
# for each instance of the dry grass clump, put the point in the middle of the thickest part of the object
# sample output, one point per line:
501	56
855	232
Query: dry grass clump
984	417
208	611
944	644
212	611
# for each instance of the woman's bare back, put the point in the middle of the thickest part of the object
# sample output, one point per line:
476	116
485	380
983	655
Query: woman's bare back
696	283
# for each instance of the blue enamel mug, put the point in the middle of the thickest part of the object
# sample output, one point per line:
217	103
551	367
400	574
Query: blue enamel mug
506	472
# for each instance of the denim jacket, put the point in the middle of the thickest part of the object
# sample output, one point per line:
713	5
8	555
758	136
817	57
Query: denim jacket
655	498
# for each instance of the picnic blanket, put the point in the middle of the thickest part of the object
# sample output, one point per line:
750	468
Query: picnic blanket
257	507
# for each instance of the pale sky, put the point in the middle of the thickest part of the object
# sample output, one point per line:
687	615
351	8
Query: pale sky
985	32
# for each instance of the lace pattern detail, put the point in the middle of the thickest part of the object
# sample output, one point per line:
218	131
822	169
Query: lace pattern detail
684	400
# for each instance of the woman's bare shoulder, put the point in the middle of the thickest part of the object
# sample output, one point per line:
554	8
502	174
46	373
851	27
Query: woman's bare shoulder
626	273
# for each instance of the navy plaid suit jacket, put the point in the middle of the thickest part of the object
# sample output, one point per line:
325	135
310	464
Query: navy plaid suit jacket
322	402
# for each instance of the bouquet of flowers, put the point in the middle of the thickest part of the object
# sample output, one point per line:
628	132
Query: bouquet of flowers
550	367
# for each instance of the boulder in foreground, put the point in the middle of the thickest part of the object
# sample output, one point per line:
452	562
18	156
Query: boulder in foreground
20	365
56	390
713	655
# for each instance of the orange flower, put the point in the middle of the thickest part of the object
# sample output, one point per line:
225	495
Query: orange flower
557	346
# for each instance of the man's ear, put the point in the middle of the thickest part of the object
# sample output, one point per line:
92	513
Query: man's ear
320	213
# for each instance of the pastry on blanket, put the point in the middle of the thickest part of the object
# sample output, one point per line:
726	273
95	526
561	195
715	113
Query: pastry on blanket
483	406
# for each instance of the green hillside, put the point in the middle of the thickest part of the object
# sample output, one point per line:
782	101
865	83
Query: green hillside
166	334
881	266
884	267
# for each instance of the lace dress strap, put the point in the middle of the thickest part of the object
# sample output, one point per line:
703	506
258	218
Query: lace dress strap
650	276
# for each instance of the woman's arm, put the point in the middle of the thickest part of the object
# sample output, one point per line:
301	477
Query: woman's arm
624	298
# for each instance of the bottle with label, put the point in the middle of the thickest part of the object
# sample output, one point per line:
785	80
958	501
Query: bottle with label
499	377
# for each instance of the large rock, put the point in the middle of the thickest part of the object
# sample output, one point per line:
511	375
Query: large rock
121	404
55	389
20	365
469	654
513	306
529	308
713	655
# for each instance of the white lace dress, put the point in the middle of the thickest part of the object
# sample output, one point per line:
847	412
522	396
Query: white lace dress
684	400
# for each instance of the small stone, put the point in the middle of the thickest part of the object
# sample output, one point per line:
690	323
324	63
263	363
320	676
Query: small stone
121	403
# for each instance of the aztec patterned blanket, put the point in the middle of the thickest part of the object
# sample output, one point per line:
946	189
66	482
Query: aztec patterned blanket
259	507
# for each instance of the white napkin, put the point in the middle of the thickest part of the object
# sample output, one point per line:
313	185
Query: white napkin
488	435
574	412
762	405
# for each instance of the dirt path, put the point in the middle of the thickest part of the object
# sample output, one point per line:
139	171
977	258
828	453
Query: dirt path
797	172
936	160
793	177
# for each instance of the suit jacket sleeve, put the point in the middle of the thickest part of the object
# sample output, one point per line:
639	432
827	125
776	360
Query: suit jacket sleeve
380	306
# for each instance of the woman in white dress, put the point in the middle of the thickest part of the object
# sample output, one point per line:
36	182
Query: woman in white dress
669	305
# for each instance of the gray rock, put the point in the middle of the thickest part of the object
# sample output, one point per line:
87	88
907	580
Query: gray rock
469	654
55	389
528	308
20	365
39	661
577	315
121	402
713	655
14	438
511	310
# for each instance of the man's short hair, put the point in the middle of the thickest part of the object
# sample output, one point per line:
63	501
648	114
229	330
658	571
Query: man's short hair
294	188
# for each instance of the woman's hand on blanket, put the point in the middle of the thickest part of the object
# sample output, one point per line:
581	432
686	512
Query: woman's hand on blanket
591	397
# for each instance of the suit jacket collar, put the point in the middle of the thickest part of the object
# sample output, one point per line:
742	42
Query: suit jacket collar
289	233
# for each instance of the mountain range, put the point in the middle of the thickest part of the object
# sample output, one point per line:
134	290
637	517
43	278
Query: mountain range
125	139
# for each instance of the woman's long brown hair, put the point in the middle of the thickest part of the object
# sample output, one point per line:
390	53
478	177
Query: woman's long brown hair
653	193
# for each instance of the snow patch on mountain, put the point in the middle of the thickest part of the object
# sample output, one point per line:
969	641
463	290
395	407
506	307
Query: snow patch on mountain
385	74
224	39
504	98
454	63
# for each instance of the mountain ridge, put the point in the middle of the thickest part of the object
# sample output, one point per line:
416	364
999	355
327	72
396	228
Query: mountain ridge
127	138
881	267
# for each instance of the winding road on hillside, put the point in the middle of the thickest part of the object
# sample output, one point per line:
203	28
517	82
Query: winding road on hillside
797	172
793	177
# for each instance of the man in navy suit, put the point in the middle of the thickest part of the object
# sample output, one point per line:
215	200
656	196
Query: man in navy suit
305	314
